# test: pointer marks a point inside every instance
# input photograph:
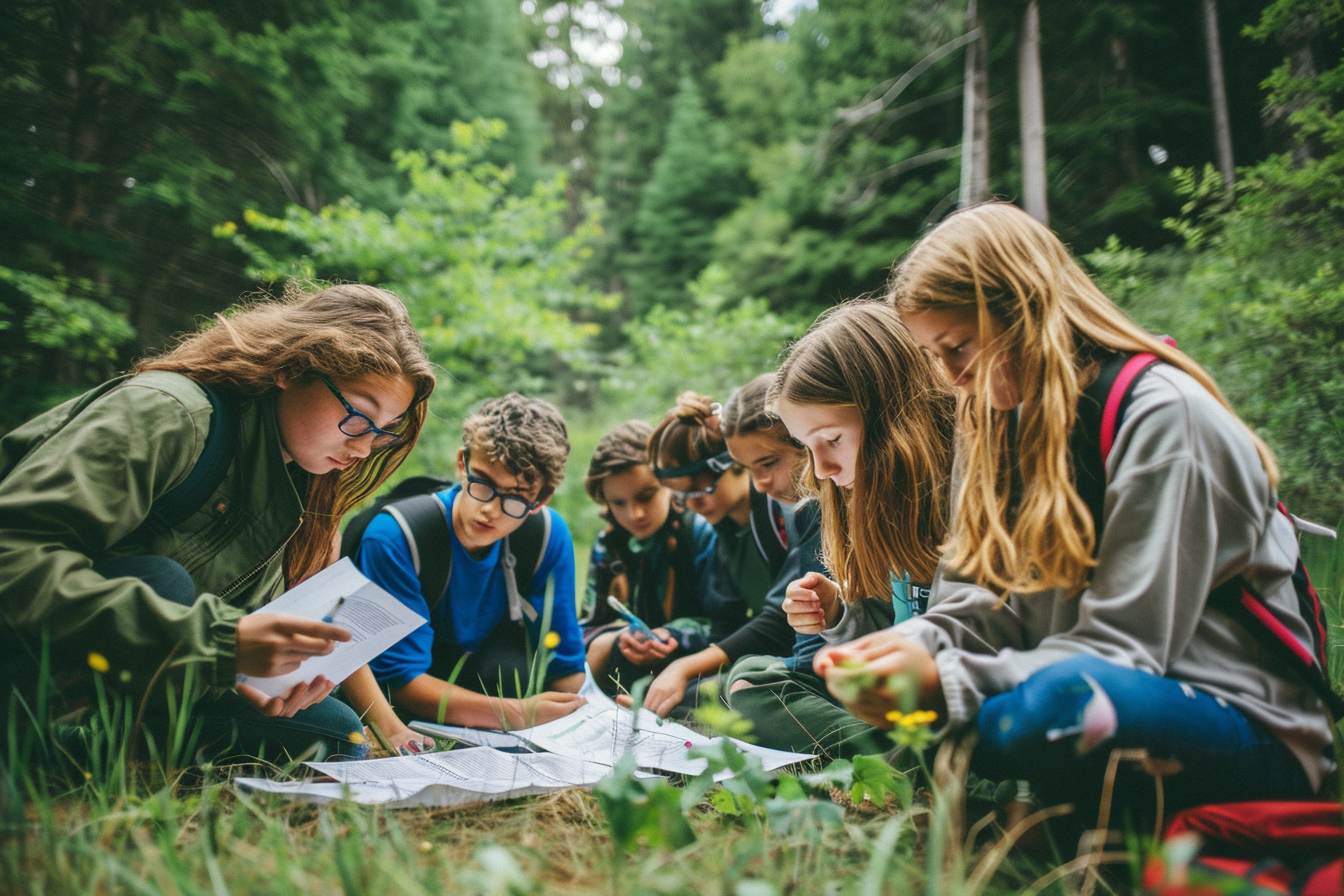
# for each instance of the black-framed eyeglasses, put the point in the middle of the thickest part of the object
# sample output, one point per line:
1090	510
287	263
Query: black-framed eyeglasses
356	424
515	506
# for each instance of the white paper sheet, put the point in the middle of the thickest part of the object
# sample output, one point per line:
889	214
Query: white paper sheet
457	777
375	619
604	734
481	737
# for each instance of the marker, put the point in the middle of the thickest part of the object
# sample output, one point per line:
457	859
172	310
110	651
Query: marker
331	614
635	622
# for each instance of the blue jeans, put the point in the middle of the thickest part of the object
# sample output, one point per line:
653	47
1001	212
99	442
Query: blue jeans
1225	757
230	726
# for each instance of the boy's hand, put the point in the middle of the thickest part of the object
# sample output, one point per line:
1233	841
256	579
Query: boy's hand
544	707
812	603
301	696
644	651
860	673
271	644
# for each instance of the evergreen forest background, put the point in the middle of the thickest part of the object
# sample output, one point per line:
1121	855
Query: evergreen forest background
606	202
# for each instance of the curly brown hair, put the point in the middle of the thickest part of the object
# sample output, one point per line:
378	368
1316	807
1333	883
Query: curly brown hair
527	435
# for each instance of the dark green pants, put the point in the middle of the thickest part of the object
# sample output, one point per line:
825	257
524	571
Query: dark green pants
790	709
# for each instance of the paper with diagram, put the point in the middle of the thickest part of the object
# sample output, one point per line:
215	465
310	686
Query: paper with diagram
604	734
375	619
454	778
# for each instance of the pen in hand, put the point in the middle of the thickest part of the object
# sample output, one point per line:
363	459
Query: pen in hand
331	614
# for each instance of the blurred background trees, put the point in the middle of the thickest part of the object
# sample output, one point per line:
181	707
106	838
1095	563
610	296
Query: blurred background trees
606	202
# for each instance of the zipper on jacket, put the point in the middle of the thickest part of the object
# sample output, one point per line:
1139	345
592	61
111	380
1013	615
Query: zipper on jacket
242	580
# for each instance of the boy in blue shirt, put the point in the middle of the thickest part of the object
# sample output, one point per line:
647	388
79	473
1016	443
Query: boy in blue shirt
512	458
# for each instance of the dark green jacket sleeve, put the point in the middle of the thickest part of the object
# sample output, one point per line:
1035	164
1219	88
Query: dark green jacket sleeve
75	496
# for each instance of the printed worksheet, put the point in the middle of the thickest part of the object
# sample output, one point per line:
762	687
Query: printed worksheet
375	619
603	734
481	737
455	778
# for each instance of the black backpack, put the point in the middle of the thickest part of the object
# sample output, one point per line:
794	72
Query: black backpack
423	518
1100	412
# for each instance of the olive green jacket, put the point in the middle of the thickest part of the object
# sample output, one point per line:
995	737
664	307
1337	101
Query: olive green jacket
86	492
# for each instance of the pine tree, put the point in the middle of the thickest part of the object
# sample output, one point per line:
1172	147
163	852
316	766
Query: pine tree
695	182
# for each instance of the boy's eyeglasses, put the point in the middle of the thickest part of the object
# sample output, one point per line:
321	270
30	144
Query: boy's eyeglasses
515	506
356	424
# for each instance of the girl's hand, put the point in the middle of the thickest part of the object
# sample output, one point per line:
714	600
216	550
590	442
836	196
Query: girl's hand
644	651
812	603
404	741
301	696
860	674
666	691
271	644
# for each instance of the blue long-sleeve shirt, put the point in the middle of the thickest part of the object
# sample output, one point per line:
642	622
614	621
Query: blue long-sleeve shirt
476	597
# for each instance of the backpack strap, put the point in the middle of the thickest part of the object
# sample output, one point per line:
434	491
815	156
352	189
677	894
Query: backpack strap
424	521
176	505
523	550
769	530
1101	408
1110	395
412	485
1238	599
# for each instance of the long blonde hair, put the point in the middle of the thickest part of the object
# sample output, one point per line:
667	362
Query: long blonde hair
894	517
343	331
1040	316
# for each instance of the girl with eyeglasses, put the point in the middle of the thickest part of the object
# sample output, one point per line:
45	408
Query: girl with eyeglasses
143	521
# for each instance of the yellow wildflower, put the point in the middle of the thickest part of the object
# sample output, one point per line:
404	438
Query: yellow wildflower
552	640
98	662
426	846
912	719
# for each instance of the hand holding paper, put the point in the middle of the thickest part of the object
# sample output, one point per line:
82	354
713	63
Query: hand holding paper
271	643
284	644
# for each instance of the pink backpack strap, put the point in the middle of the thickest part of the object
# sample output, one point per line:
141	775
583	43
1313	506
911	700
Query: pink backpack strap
1133	367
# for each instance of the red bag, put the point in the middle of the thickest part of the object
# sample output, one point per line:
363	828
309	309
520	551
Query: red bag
1282	847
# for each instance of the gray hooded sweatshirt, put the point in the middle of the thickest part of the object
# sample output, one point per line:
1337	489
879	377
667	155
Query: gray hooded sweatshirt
1188	506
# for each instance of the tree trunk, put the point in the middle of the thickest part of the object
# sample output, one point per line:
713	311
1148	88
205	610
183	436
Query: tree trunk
975	116
1218	93
1120	79
1032	103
